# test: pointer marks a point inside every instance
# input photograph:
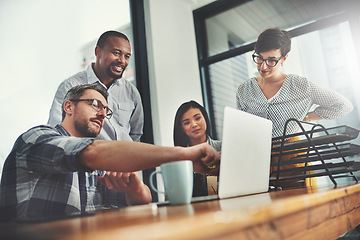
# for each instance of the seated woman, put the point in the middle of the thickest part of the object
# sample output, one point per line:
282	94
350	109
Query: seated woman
191	127
279	96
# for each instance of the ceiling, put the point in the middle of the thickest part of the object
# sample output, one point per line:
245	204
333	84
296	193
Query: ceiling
244	23
198	3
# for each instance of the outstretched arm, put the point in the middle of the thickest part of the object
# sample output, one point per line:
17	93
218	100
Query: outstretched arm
123	156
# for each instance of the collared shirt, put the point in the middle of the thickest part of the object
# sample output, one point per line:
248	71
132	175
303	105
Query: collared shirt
124	100
294	99
43	178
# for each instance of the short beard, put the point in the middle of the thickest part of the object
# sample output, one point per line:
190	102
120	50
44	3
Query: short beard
112	75
85	130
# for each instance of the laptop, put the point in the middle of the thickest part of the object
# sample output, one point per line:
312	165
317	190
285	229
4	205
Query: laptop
245	155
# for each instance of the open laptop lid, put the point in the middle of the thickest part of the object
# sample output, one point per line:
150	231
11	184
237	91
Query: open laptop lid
245	154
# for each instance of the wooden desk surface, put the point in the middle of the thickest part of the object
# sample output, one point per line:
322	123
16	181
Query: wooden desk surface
289	214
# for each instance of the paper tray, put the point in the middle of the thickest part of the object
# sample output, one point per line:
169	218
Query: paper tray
326	153
334	168
323	136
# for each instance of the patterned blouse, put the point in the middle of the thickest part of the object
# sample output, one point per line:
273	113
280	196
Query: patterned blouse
294	99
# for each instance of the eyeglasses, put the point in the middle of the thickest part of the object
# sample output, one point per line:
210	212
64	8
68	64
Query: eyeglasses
269	62
96	105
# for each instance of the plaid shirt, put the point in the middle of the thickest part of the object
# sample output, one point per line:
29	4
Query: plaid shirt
43	178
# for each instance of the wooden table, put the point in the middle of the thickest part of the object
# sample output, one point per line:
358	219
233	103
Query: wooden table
326	213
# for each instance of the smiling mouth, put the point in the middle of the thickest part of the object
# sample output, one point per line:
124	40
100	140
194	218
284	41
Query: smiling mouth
119	68
97	122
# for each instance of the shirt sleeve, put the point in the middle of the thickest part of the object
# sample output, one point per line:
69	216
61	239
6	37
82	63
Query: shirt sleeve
44	150
239	96
331	104
137	118
55	115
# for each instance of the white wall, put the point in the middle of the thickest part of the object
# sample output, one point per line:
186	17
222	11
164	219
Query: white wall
40	42
173	64
40	46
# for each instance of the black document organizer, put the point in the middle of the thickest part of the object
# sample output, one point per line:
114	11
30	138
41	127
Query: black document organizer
318	144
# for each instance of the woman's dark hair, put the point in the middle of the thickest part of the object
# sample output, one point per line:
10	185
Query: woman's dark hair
180	137
273	38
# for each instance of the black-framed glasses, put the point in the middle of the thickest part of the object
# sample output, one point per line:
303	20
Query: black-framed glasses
270	62
96	105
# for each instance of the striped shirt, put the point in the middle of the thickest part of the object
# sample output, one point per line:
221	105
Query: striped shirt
124	100
294	100
42	178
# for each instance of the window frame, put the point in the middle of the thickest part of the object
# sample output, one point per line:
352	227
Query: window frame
142	79
200	15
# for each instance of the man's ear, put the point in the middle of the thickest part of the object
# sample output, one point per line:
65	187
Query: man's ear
69	107
97	51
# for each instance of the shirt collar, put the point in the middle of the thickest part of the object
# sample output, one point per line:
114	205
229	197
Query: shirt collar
92	78
62	130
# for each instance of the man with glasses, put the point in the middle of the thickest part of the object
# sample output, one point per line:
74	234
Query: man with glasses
55	172
113	52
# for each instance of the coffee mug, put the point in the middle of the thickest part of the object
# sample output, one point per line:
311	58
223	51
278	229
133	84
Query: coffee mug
178	181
